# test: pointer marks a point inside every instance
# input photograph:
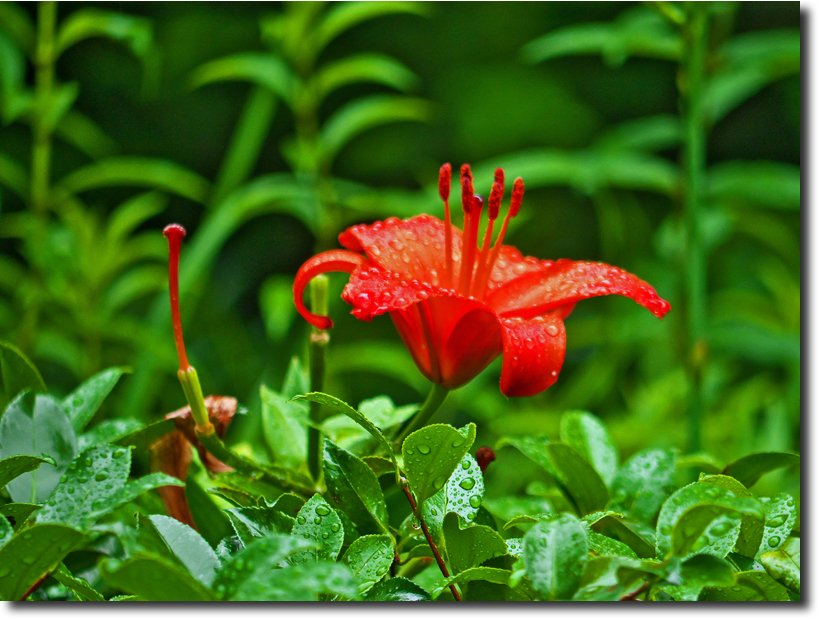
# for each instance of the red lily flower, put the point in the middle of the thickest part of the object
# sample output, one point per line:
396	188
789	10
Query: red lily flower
457	304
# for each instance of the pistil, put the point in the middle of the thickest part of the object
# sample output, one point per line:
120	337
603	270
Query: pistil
514	209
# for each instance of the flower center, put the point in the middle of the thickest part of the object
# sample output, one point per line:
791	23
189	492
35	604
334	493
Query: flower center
477	262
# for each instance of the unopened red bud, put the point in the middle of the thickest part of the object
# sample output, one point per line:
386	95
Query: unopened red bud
445	181
517	197
484	456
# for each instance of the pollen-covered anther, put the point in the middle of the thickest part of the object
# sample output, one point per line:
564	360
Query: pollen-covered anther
445	181
517	197
495	197
467	195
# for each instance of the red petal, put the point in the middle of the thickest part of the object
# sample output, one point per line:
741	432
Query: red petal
336	260
533	352
414	247
568	282
511	264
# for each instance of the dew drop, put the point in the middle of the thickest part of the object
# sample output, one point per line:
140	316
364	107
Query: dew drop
335	527
777	521
552	330
774	541
467	484
101	476
424	449
301	520
439	482
475	501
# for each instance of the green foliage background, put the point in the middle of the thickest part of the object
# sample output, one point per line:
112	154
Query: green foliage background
82	268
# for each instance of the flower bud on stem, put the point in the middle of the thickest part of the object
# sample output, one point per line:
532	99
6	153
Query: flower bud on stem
319	339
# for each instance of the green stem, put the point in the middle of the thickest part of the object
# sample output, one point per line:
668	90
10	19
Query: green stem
430	406
43	85
319	340
696	30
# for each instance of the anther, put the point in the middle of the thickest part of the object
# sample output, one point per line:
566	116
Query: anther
445	181
444	186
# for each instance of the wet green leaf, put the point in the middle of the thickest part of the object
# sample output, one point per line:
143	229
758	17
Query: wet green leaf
462	495
784	564
589	437
147	436
470	546
284	427
486	574
319	523
749	587
578	478
397	590
78	585
43	430
780	518
369	559
13	467
748	469
353	487
300	583
189	547
31	554
702	518
85	400
251	523
555	552
431	455
108	431
699	572
643	483
18	512
751	531
603	546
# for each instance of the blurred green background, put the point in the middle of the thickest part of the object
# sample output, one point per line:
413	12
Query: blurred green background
267	128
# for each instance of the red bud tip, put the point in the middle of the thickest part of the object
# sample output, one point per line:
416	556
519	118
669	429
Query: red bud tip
517	197
467	193
484	456
495	197
174	232
445	181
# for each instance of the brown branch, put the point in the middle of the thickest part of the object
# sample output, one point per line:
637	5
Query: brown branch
432	545
632	597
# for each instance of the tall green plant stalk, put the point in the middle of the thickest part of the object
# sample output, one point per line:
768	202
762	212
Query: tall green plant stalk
43	89
319	341
692	81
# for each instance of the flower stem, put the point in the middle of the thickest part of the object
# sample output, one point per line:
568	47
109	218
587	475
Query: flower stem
430	406
44	84
693	74
441	565
319	339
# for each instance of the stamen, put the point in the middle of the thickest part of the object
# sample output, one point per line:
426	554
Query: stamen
514	209
495	197
174	233
444	185
471	245
467	198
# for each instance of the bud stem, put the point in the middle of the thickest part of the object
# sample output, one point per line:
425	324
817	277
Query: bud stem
319	339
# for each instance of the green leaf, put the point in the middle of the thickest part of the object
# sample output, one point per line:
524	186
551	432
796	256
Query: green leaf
359	68
262	69
147	436
651	133
384	414
83	133
353	487
349	411
636	32
85	400
89	483
253	564
749	587
397	590
431	455
18	25
46	430
300	583
755	183
636	535
17	373
486	574
255	522
319	523
13	467
472	546
702	518
365	113
589	437
752	528
369	559
211	521
344	16
284	428
6	531
701	460
18	512
189	547
154	578
697	573
533	447
134	32
780	518
643	483
108	431
599	582
78	585
555	552
748	469
579	479
603	546
462	495
31	554
784	564
139	172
